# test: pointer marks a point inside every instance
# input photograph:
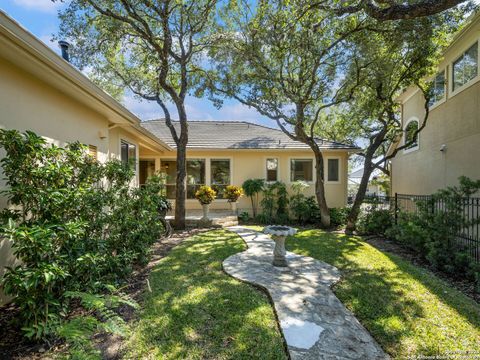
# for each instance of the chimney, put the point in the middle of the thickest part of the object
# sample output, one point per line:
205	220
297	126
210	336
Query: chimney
64	46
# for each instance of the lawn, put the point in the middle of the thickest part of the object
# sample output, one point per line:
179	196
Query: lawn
407	309
196	311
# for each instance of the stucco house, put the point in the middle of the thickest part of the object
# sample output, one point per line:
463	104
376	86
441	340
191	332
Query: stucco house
42	92
448	146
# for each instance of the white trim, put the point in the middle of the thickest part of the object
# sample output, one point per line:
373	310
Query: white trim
470	82
325	169
414	148
314	172
265	158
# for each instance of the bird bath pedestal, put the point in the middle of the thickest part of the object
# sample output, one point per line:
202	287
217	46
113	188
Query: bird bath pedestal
279	234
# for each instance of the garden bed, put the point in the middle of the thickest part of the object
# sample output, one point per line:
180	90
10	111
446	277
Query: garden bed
13	345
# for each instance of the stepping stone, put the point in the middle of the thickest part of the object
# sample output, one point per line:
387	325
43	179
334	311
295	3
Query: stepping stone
314	322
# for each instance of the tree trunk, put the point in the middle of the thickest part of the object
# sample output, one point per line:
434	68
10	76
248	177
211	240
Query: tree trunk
359	197
320	190
181	181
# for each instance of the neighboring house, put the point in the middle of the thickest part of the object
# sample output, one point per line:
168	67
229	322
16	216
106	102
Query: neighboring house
220	153
374	187
449	145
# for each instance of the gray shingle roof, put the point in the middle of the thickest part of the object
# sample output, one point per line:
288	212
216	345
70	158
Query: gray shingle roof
234	135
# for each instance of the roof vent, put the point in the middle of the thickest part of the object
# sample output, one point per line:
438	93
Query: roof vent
64	46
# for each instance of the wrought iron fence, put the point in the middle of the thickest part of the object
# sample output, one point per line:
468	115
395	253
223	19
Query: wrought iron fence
467	237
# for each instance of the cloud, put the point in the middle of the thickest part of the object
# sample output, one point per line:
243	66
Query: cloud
47	6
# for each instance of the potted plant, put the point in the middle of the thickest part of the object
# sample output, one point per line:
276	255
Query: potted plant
205	195
232	193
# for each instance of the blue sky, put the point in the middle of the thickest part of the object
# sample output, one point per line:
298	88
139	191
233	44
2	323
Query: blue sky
40	18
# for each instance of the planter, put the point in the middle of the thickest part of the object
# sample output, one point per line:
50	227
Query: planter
233	207
205	208
279	235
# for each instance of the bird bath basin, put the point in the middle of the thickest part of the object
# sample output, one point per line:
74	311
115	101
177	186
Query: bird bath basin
279	234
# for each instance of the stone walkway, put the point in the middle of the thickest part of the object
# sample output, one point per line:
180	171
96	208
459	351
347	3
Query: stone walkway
314	322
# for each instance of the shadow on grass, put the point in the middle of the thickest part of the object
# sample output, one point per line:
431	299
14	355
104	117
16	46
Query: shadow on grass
197	311
407	309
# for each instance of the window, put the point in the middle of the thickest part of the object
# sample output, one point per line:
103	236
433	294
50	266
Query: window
128	154
195	176
272	169
465	68
438	88
410	135
169	168
92	151
333	170
301	169
220	175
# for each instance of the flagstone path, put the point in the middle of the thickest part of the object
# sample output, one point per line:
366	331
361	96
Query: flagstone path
314	322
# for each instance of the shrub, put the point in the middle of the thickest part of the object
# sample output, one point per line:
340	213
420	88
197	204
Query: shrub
375	221
304	209
338	216
244	216
274	202
410	231
233	193
74	223
252	187
205	195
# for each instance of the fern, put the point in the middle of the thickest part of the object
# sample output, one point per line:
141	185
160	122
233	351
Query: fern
78	331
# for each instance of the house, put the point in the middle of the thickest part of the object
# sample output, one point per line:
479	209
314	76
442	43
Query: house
220	153
374	187
448	146
42	92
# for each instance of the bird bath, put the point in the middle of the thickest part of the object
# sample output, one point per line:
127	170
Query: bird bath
279	234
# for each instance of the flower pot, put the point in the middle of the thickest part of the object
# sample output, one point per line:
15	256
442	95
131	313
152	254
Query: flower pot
233	206
205	208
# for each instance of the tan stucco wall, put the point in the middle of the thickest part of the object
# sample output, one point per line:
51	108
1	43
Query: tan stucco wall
249	164
27	103
454	122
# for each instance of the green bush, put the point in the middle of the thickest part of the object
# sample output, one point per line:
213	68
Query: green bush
375	221
251	188
73	223
433	232
338	216
274	203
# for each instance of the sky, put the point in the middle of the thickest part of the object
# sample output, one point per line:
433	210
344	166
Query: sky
40	18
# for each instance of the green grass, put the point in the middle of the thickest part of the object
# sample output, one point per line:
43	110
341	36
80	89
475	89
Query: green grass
196	311
407	309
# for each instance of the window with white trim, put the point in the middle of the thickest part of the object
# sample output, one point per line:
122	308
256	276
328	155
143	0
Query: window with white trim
220	175
301	169
465	68
411	135
438	88
272	169
333	170
128	154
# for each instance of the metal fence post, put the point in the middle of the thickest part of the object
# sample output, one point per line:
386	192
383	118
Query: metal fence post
396	208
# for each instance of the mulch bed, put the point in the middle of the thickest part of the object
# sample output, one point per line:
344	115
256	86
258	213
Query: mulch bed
13	346
465	286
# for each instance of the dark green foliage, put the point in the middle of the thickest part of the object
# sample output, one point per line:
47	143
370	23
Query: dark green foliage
252	187
274	204
73	223
375	221
433	230
244	216
338	216
100	316
304	209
